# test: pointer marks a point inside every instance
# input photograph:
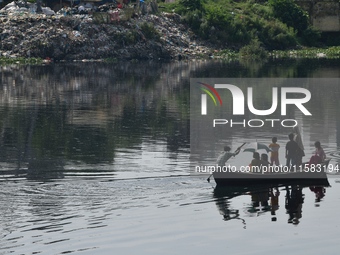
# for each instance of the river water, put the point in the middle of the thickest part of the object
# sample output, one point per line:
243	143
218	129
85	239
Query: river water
95	160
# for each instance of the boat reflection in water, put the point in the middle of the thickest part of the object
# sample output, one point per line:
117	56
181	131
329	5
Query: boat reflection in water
264	199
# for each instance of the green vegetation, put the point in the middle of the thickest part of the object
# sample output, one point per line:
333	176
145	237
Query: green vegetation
149	31
227	54
30	61
146	31
253	50
291	14
249	25
332	52
192	4
110	60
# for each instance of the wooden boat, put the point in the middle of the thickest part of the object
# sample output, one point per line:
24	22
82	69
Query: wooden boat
305	175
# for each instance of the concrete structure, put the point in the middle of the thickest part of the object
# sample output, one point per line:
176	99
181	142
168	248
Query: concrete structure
324	14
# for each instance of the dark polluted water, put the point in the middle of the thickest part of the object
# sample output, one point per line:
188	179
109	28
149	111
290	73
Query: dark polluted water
95	160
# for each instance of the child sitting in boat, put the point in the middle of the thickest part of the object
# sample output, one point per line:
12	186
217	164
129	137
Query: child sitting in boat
255	164
319	151
319	155
264	160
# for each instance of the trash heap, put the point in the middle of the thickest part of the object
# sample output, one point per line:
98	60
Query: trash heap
78	34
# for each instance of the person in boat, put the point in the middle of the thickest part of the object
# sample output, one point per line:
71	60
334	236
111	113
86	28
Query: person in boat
226	155
294	153
319	151
319	154
264	160
255	164
274	155
298	140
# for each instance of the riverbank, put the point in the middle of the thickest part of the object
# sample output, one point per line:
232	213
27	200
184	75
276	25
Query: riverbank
79	37
32	38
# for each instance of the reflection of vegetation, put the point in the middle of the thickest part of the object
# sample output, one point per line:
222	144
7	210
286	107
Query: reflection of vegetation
89	113
45	133
89	145
282	68
48	125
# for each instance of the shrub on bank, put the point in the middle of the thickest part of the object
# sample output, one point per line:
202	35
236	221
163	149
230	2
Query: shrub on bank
192	4
295	17
149	31
310	36
277	24
254	50
291	14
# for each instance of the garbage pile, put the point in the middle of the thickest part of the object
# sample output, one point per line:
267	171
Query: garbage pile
74	35
18	8
87	8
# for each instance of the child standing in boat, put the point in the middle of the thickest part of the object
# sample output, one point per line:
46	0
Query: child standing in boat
274	155
225	155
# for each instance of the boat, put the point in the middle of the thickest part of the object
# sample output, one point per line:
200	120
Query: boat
308	175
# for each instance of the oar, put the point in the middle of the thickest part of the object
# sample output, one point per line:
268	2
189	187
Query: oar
209	178
238	149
